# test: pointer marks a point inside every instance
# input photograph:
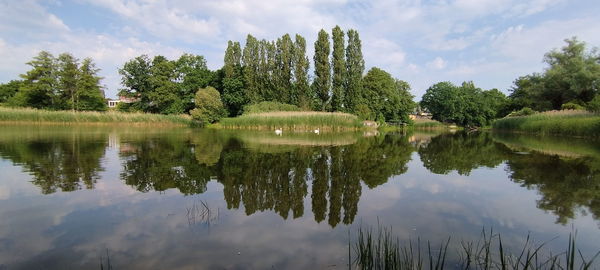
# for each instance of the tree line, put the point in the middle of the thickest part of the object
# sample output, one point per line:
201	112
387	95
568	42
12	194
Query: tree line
571	80
57	83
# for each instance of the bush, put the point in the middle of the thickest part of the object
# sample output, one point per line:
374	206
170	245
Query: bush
209	107
270	106
594	104
571	106
522	112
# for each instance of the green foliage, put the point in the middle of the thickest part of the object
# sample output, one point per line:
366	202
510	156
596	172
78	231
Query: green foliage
8	90
302	95
571	106
594	105
573	75
388	99
164	86
465	105
339	70
209	107
89	96
270	106
39	83
355	66
571	123
322	80
522	112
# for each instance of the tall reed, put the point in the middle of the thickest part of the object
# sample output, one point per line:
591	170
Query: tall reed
27	115
296	121
567	122
382	250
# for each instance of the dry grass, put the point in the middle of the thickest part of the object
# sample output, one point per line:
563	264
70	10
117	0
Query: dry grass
28	116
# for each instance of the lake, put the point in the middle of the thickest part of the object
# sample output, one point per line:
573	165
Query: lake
82	197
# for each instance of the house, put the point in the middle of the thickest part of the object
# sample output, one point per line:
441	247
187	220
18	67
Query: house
114	102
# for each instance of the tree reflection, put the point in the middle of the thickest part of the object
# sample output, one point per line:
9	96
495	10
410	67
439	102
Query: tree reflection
66	163
462	152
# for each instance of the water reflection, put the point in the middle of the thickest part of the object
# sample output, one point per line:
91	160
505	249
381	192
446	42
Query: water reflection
262	172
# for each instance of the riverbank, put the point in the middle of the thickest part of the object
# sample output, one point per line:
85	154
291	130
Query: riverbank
567	122
293	121
29	116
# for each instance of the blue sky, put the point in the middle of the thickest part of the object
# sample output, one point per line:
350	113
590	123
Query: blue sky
490	42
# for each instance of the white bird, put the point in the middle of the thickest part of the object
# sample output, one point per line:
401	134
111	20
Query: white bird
316	131
278	131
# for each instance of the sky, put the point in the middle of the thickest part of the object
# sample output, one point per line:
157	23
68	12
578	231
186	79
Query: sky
489	42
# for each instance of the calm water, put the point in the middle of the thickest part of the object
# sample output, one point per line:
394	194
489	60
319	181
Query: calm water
198	199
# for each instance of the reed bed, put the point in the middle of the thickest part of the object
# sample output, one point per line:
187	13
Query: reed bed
27	115
381	250
294	121
427	124
567	122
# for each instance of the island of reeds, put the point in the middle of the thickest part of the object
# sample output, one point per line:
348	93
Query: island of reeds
265	84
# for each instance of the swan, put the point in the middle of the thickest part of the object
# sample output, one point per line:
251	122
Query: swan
316	131
278	131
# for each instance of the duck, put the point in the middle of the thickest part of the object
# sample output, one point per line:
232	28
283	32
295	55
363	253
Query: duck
278	131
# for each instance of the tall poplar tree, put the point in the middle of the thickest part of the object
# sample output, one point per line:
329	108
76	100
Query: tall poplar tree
355	66
283	74
302	95
339	70
322	81
233	96
250	63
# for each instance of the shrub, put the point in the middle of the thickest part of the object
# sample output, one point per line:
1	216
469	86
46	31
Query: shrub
522	112
571	106
594	104
270	106
209	107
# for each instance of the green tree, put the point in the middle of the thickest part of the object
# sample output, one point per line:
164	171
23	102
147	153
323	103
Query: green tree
283	72
322	81
355	66
68	76
9	89
251	62
302	94
234	96
339	70
89	93
163	97
209	107
135	77
39	83
387	96
572	75
191	73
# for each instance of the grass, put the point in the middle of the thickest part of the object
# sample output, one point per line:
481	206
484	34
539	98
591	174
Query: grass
27	115
381	250
567	122
421	123
293	121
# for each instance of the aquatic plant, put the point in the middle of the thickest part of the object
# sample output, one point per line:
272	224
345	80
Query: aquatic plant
566	122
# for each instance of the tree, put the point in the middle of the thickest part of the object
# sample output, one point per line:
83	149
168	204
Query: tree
339	70
89	93
283	72
234	96
9	89
191	73
39	83
209	107
163	97
322	81
68	76
302	92
355	66
572	75
465	105
388	97
250	63
136	80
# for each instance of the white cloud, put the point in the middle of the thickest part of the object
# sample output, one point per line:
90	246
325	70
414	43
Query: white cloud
437	63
